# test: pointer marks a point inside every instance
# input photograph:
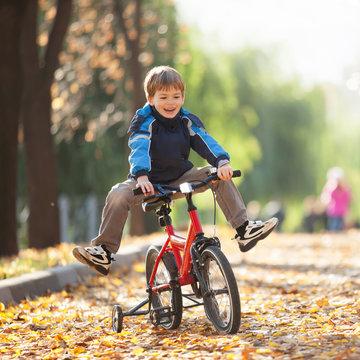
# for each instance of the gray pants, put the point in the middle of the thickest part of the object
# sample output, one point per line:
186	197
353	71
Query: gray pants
121	199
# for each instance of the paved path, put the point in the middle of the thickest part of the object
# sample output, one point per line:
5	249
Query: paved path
299	297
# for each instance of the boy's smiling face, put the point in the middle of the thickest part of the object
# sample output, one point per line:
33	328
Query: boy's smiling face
167	102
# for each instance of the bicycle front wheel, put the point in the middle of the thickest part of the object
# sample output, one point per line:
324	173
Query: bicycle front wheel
222	302
167	301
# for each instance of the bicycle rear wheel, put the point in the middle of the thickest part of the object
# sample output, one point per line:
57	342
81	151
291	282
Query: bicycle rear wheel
169	299
222	303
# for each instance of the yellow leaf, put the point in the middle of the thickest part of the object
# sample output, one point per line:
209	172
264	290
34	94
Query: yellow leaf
139	268
58	350
58	337
2	306
263	351
78	350
273	343
9	315
277	333
322	302
230	346
138	351
125	332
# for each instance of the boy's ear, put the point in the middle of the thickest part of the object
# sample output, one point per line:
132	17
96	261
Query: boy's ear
149	100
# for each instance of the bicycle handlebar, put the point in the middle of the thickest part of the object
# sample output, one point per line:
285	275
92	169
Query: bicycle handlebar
167	190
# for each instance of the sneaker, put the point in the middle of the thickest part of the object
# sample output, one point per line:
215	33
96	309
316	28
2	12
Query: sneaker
251	232
98	258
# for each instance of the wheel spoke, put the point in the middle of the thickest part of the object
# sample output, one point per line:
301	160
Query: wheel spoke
166	300
222	306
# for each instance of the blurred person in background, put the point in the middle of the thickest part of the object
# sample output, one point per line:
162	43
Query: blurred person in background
336	196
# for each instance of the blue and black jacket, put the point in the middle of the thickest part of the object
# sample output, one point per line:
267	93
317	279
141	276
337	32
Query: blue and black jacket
160	147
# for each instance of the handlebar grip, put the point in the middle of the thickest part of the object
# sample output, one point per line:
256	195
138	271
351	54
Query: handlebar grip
137	191
236	173
149	197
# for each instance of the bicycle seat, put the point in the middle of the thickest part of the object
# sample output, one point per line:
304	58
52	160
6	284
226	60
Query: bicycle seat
155	204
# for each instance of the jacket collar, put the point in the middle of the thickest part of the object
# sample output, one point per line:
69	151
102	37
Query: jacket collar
168	123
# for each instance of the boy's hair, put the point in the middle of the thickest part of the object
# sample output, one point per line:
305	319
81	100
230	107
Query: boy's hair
163	77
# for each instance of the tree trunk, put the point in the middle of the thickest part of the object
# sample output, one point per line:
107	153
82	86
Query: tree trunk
40	158
11	12
41	174
137	219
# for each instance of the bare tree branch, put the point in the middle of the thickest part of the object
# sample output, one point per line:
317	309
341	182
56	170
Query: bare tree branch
57	34
138	20
28	48
119	9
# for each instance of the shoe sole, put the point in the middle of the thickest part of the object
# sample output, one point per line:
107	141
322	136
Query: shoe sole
252	243
97	268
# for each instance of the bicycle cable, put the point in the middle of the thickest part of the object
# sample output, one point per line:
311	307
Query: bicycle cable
214	198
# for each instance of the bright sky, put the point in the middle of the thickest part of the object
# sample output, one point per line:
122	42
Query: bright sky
320	37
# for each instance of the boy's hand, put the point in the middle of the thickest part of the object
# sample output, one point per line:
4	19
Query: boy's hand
145	184
225	172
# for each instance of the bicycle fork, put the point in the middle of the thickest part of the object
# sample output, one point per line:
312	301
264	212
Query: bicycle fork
198	262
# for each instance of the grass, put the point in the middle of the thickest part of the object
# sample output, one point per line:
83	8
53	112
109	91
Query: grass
31	260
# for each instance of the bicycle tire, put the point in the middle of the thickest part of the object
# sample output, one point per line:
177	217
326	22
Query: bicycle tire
117	319
222	305
172	297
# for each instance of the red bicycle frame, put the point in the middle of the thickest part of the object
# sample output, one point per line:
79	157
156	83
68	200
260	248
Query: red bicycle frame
178	244
184	264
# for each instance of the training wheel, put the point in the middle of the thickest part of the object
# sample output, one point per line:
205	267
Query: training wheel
117	319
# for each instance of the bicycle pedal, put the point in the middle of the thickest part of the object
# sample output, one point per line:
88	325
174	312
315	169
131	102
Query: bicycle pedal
162	311
160	315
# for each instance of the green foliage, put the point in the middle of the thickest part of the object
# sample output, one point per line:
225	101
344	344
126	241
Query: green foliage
271	127
277	132
92	167
93	91
211	94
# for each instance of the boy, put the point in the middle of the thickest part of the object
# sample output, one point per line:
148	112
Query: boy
162	134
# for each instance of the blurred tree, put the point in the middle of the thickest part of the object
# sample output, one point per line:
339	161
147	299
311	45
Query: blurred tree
290	121
40	162
272	127
132	30
211	93
11	15
98	87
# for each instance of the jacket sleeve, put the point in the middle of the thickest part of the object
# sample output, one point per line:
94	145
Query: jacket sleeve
139	143
205	145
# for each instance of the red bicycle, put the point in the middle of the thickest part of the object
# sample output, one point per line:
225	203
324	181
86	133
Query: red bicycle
196	260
